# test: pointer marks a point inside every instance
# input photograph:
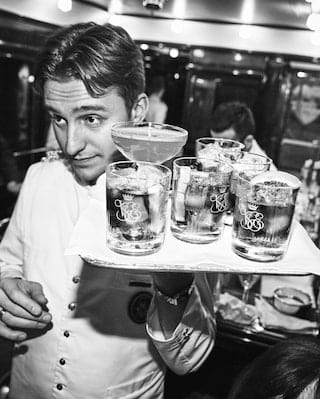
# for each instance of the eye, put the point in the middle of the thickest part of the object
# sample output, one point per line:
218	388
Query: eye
57	120
93	120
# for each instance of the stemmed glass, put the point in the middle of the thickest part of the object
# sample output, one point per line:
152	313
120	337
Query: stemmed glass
148	141
247	281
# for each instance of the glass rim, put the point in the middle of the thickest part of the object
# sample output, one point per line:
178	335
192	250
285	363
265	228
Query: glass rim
268	159
158	165
243	176
220	139
154	125
194	158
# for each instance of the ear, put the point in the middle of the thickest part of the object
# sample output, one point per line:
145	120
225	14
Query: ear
140	108
248	142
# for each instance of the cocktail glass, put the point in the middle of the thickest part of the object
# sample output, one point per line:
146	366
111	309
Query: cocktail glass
263	214
200	198
148	141
137	206
247	281
218	149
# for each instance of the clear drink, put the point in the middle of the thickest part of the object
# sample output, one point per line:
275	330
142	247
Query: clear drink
256	163
218	149
150	142
137	206
263	215
200	199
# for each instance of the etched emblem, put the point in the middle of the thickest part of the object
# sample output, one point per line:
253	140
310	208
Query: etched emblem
129	211
220	202
251	220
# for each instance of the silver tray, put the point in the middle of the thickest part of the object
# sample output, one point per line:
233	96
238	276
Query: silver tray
88	241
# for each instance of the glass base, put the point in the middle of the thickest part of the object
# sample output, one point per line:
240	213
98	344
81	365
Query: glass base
134	248
195	238
258	253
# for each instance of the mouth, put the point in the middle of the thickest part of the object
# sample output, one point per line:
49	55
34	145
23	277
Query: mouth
82	161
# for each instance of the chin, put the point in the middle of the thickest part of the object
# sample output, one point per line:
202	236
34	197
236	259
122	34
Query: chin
87	179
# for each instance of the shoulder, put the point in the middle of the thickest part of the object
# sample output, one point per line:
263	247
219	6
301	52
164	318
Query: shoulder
48	171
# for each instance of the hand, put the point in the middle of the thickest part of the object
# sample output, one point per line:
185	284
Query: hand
23	304
171	283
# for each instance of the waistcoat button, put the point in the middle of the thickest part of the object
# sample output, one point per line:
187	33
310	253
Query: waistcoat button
62	361
59	387
72	306
76	279
66	334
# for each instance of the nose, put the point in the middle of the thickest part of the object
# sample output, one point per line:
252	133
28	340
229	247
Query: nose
75	141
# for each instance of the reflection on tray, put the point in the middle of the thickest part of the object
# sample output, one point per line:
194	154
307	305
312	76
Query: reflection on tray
263	316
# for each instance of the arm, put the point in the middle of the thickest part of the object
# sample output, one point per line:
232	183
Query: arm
168	285
23	301
184	334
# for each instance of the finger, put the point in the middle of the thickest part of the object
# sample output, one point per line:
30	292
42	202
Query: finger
21	295
18	322
37	293
12	335
19	311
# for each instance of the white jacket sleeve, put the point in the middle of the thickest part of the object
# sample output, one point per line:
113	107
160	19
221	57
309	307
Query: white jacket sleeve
192	341
11	246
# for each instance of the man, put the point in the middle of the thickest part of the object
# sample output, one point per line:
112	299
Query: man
79	329
234	120
157	111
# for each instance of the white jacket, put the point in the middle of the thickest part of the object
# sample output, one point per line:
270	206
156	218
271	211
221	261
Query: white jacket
98	345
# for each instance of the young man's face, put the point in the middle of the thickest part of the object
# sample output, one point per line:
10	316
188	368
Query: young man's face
82	125
225	134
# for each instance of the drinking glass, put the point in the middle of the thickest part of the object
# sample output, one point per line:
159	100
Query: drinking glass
247	281
218	149
263	214
148	141
256	163
137	202
200	198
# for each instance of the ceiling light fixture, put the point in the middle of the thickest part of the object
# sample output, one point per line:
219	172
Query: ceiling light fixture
247	11
174	53
315	6
313	22
65	5
153	5
144	46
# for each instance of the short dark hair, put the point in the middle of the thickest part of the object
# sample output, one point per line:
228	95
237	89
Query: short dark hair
284	369
102	56
157	84
233	114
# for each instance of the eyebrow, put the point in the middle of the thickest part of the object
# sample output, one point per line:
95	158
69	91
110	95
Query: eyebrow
81	108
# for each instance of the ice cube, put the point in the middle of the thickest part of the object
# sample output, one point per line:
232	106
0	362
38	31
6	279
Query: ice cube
277	178
196	196
279	222
210	151
183	179
179	208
